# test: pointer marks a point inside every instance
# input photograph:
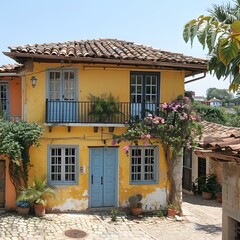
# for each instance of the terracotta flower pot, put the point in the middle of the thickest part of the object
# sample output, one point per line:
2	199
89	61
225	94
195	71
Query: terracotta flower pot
207	195
39	210
136	211
23	211
172	212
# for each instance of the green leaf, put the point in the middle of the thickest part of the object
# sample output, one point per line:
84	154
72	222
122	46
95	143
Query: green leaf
186	32
235	27
202	33
211	37
193	32
235	83
227	50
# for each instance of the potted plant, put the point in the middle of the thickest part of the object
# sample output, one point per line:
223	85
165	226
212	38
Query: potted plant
23	207
36	194
103	108
172	210
207	186
135	204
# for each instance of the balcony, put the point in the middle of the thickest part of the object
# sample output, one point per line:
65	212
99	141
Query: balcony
79	113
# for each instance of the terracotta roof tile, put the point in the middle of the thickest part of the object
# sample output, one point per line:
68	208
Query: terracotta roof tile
105	48
218	137
10	68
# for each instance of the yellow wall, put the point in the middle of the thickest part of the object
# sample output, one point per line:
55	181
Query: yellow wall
95	80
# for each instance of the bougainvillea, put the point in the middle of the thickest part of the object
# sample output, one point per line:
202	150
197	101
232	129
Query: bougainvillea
175	126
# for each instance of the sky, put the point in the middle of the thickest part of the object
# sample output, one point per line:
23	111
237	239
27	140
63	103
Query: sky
155	23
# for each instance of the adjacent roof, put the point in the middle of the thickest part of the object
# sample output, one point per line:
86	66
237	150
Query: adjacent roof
220	142
10	68
110	51
215	100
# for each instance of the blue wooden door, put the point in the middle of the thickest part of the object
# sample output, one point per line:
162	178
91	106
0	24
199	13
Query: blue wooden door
103	177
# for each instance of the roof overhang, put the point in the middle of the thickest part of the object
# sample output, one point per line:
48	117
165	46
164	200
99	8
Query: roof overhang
190	68
222	156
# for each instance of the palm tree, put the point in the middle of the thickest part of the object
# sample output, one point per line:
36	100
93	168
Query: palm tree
220	33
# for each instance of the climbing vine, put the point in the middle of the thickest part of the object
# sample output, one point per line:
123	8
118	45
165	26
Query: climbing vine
174	126
16	138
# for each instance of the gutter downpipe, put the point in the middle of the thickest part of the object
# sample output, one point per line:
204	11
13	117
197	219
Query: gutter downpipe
195	79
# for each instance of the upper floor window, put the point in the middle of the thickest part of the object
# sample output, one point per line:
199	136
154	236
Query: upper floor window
144	93
62	84
144	165
63	165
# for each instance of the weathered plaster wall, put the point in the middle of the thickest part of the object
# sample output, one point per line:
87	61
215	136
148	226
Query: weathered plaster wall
231	199
95	81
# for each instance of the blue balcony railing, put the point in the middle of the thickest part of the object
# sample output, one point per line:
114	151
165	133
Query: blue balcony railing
79	112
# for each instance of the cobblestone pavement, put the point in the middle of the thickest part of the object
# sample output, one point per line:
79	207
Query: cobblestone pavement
202	220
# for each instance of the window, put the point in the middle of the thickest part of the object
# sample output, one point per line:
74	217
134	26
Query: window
144	165
63	165
144	93
62	85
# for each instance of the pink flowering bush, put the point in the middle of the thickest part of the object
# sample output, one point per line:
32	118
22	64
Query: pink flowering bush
174	126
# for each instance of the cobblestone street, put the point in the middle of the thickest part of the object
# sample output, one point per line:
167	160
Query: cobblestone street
202	220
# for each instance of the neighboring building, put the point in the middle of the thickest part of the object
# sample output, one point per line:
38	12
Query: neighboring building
201	99
11	91
11	107
219	153
88	171
214	102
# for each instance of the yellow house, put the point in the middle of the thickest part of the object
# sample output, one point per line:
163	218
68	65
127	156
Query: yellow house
80	160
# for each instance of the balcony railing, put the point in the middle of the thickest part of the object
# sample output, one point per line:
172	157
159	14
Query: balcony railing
79	112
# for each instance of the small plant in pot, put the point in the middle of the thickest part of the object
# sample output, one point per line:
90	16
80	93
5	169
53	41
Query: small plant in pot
104	108
172	210
135	204
36	194
23	207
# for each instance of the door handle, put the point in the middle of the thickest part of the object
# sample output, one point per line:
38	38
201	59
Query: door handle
102	180
92	178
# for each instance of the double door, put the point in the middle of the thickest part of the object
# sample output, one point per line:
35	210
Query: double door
103	177
144	93
62	105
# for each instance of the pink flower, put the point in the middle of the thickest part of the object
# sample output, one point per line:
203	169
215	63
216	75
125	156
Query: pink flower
148	136
170	126
114	142
164	105
126	149
145	144
150	116
162	120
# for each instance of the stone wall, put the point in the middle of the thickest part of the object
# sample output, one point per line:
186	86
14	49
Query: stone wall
231	199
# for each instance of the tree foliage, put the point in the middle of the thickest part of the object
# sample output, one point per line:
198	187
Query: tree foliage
222	94
220	33
175	127
233	119
210	114
15	140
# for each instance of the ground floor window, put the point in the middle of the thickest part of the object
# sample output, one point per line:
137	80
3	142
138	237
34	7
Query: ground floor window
62	165
144	165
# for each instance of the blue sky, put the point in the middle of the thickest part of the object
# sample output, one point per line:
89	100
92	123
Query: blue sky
154	23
